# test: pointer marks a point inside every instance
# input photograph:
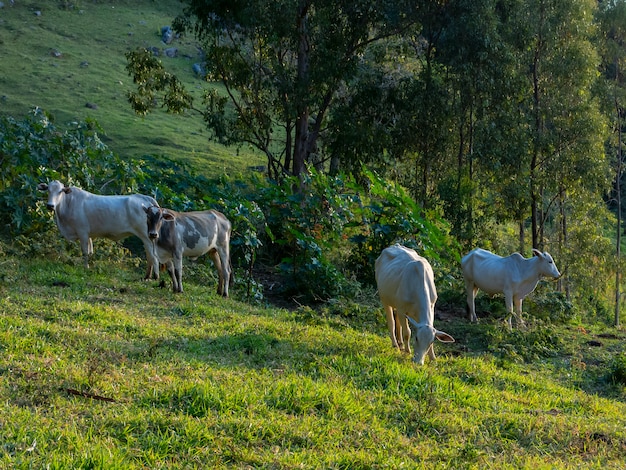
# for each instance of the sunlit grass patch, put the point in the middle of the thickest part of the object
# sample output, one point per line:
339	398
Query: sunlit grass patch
109	371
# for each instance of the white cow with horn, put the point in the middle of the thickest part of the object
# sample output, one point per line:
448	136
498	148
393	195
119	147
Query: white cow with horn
407	291
513	276
81	215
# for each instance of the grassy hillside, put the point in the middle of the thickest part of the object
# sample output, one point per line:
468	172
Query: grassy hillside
101	370
68	58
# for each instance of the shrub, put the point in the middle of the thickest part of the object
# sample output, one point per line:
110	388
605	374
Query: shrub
386	214
550	306
617	370
305	228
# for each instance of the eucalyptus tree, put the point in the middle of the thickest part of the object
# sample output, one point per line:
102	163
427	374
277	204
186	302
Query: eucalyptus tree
280	63
485	81
563	118
612	42
563	129
400	116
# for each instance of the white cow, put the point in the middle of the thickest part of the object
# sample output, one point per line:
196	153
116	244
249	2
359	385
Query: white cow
81	215
405	283
514	276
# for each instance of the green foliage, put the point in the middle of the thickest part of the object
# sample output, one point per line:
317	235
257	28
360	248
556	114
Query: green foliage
617	370
551	307
151	79
538	342
385	215
35	150
303	230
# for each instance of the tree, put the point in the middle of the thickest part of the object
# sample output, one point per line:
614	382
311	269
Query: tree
562	114
280	64
612	39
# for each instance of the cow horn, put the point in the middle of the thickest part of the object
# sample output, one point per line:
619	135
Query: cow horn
415	324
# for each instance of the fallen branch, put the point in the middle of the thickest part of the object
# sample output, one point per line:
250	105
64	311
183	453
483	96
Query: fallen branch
78	393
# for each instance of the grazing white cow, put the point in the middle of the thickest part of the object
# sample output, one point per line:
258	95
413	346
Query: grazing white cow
514	276
191	234
81	215
406	283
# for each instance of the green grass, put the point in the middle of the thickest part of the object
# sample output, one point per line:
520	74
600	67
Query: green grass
92	39
99	369
198	381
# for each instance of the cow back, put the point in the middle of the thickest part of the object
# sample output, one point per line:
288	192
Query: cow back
405	281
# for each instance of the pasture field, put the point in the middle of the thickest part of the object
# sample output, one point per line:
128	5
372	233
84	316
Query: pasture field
68	59
99	369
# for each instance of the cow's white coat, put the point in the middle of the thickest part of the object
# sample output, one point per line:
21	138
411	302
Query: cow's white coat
514	276
81	215
407	291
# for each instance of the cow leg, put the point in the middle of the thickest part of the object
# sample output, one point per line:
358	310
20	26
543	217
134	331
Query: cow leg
403	328
220	275
152	269
471	290
517	303
172	272
391	325
508	299
227	274
177	268
226	269
86	247
220	260
398	330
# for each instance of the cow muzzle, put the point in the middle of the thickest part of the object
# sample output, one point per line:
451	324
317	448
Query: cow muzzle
153	235
50	207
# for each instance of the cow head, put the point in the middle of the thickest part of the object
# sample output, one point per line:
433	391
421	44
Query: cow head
56	191
547	266
156	216
425	335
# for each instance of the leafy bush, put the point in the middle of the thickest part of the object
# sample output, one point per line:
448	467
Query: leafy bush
617	370
386	214
550	306
320	233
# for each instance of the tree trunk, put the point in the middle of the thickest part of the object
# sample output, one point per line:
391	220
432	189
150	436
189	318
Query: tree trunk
563	285
302	119
534	164
618	190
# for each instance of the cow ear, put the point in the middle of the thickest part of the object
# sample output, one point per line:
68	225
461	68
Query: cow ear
443	337
145	209
167	216
42	187
67	190
536	252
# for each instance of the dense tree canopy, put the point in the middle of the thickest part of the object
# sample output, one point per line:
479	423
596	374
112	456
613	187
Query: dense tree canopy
500	114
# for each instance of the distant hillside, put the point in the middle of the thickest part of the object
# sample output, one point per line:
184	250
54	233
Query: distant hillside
69	60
